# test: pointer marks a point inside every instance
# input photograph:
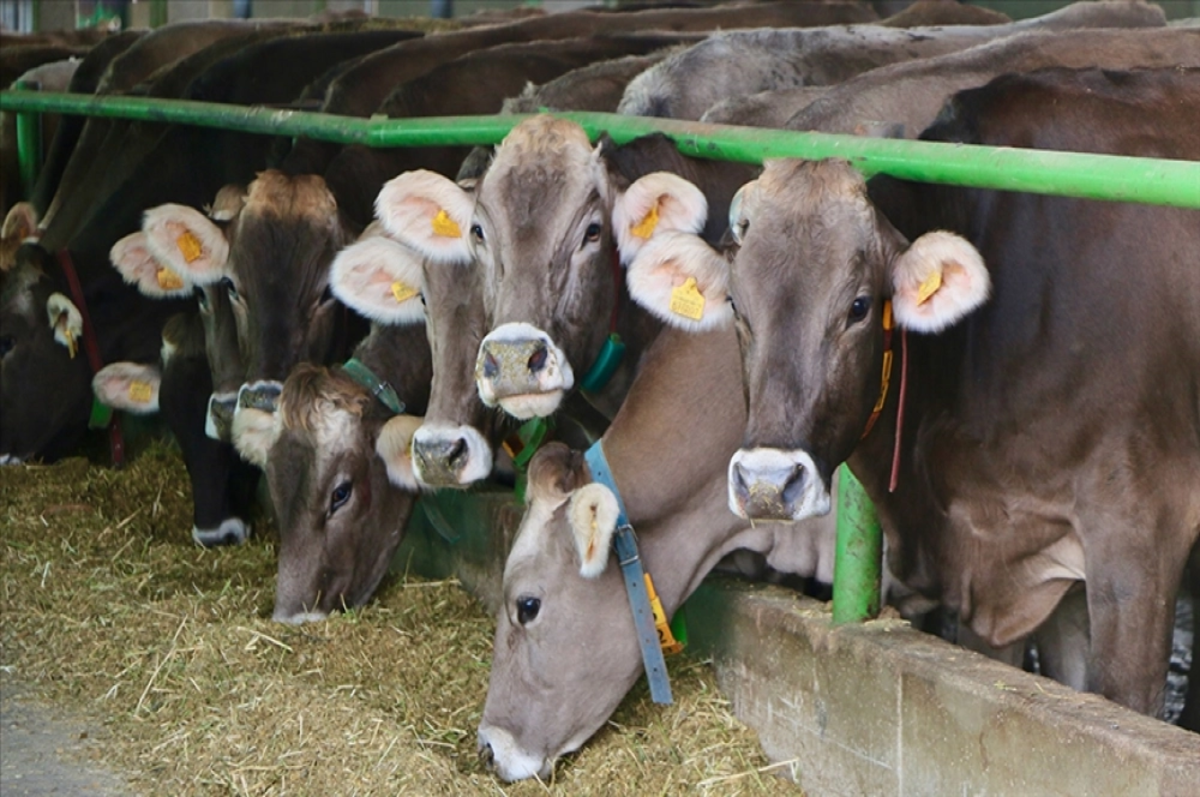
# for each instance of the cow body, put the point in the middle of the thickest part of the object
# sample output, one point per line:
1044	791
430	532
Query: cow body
1049	437
737	63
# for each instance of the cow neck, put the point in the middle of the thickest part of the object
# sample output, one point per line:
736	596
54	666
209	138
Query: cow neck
381	389
653	631
889	326
101	415
613	351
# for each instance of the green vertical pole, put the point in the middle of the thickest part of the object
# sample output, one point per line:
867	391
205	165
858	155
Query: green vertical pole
29	141
857	564
158	13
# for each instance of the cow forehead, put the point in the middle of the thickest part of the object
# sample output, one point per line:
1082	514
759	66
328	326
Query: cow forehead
802	187
305	196
539	167
540	537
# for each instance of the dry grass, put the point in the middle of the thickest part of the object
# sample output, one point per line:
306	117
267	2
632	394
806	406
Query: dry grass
109	609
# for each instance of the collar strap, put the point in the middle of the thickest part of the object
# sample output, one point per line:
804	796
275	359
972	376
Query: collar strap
625	545
379	388
888	326
101	415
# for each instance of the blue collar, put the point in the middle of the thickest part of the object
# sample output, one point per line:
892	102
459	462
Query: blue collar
625	544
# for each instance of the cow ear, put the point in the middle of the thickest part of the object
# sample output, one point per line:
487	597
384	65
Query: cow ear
659	202
394	447
254	432
20	223
66	321
428	212
682	280
380	280
132	387
187	242
132	257
937	281
593	514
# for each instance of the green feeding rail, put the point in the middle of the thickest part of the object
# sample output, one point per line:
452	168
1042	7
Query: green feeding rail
1104	177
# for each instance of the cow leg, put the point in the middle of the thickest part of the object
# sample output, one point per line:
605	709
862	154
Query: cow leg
1190	718
1062	641
183	401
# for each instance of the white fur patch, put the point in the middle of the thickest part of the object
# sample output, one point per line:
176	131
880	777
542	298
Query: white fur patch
429	213
254	432
940	279
511	762
394	447
300	618
210	424
656	203
65	320
379	279
232	531
131	387
664	265
186	241
593	514
479	453
137	265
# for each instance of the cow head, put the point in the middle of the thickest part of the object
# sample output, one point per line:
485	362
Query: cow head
272	254
372	277
813	265
341	480
44	390
540	227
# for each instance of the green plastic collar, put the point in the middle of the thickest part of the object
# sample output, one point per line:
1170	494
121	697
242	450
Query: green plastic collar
380	389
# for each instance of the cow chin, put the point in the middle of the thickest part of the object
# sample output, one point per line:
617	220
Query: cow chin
532	405
772	484
455	456
501	753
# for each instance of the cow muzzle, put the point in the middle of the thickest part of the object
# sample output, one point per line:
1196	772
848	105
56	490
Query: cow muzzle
256	425
500	754
450	456
772	484
218	424
520	369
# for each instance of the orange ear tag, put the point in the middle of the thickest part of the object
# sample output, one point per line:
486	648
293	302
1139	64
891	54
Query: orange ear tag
687	301
645	227
929	287
189	246
167	279
444	226
401	291
140	392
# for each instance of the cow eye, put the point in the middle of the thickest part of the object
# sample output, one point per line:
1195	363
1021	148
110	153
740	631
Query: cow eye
477	234
859	308
339	496
592	234
6	344
527	609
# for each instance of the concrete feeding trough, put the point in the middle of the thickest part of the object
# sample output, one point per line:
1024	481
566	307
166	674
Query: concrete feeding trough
874	708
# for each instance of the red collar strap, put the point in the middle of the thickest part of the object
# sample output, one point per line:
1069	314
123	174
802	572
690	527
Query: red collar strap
889	326
91	345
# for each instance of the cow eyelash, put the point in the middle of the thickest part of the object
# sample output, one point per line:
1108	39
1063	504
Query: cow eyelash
592	233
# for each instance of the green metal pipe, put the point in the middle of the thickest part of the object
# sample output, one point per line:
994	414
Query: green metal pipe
29	142
857	561
1110	177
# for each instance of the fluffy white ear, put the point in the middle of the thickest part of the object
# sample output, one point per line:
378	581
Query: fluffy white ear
186	241
228	204
937	281
428	212
394	447
379	279
132	387
593	514
20	223
254	432
66	321
132	257
682	280
656	203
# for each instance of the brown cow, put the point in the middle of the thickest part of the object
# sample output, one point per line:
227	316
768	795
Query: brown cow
1048	436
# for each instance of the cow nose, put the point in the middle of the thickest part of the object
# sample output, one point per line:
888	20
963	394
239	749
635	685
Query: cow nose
486	756
537	360
440	460
769	494
260	396
491	367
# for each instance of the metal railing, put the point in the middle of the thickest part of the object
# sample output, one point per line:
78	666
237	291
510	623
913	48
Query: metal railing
1104	177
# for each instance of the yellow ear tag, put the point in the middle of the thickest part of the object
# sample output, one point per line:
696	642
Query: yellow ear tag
140	392
444	226
687	301
72	347
645	227
168	280
189	246
929	287
401	291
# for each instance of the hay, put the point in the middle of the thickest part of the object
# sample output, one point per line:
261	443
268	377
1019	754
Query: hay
108	608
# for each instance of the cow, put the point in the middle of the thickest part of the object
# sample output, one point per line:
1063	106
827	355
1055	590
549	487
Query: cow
566	651
736	63
1049	366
